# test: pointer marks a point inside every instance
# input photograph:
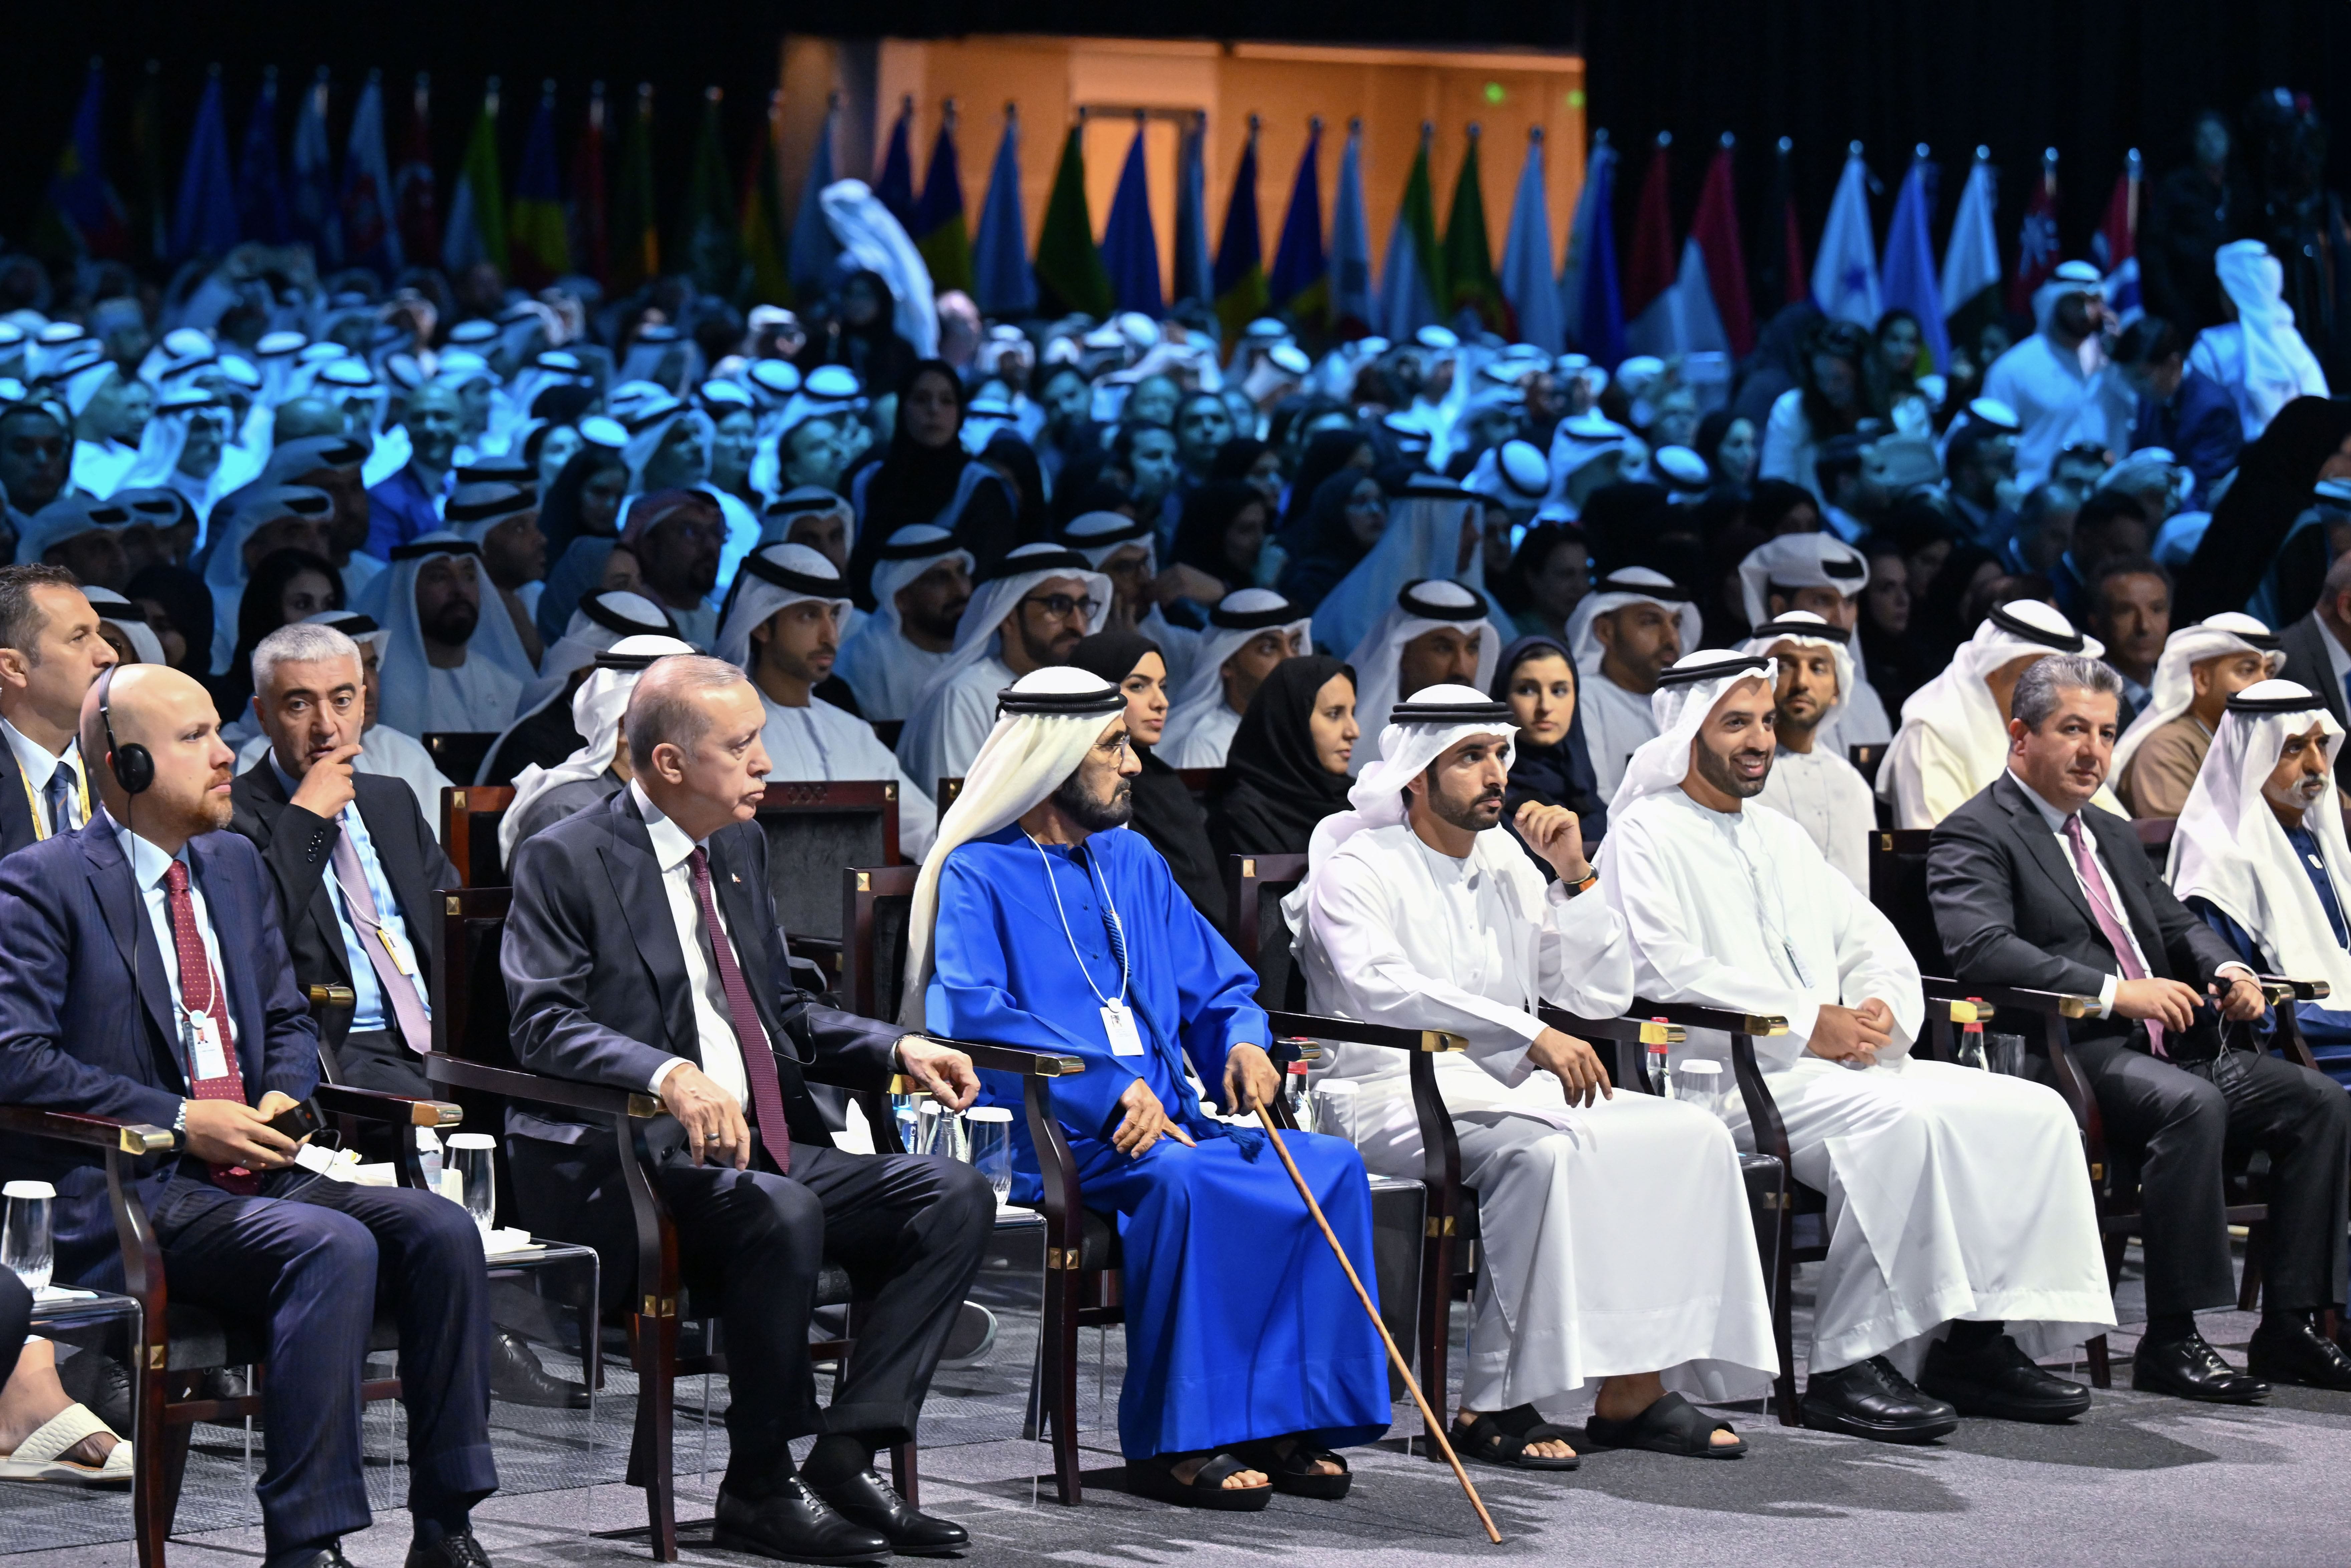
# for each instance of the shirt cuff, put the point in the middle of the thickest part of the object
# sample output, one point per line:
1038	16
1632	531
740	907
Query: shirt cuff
2107	990
661	1074
2245	969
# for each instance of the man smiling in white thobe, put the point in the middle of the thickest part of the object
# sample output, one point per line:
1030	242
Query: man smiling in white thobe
1420	910
1955	1195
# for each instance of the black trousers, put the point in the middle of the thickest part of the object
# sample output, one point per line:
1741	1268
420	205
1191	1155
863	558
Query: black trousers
2187	1124
910	1229
377	1059
16	1323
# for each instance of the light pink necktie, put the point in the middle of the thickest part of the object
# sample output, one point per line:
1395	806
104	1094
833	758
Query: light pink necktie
2110	925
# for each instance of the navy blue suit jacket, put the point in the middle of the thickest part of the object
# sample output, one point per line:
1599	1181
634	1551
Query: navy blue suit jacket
75	1035
2199	425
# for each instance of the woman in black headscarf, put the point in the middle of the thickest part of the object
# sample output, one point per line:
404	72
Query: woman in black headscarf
1345	521
1550	763
1286	766
1164	811
1327	452
864	335
926	476
1222	535
1015	463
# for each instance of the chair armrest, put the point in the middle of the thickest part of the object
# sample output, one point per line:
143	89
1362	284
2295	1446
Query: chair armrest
401	1110
2280	988
1629	1030
1347	1031
1009	1058
91	1132
1692	1017
1960	1009
2059	1004
516	1084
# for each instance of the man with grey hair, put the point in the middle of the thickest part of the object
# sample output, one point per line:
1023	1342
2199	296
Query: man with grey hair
2033	886
2318	646
643	952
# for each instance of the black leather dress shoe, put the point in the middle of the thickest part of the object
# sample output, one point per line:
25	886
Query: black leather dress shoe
517	1377
2190	1369
1870	1399
460	1551
2290	1350
2001	1381
868	1500
795	1525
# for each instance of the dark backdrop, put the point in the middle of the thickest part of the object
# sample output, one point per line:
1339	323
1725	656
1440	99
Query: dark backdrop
2090	77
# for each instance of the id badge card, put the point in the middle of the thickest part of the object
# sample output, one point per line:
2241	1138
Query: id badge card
397	949
1118	1024
205	1048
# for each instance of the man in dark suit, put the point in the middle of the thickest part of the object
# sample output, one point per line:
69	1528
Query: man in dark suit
144	975
2032	888
355	868
50	652
2185	412
643	952
2318	646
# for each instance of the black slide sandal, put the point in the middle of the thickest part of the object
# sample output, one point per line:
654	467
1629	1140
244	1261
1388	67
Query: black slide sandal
1292	1474
1501	1439
1155	1478
1671	1426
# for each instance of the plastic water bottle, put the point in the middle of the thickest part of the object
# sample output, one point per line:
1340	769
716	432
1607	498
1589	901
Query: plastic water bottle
1293	1094
1660	1075
428	1155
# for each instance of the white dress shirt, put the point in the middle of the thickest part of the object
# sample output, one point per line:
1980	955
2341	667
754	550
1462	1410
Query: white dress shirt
2114	898
34	761
713	1029
147	866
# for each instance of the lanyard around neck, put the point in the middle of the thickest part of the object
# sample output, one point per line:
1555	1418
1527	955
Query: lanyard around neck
1119	926
41	809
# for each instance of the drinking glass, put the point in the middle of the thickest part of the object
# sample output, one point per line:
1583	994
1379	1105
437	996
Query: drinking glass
1699	1083
2005	1053
953	1137
25	1246
991	1147
472	1159
1334	1108
927	1128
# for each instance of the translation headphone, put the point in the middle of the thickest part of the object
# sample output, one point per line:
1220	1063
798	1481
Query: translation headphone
133	766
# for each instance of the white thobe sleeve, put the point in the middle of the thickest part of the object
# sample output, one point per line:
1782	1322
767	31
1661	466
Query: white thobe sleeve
1930	782
1586	961
1351	914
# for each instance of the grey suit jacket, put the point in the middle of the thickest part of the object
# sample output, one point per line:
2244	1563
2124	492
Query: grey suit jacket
2010	911
2307	663
596	975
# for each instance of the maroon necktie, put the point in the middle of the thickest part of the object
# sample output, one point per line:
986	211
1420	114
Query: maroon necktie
198	983
2110	924
751	1034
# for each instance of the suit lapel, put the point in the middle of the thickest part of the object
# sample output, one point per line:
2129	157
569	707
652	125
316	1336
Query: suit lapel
134	936
2041	845
636	881
17	828
233	927
2117	840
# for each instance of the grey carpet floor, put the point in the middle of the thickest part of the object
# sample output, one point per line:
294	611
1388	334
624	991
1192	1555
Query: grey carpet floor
2142	1481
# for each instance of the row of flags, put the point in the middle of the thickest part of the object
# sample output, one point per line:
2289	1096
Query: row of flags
735	235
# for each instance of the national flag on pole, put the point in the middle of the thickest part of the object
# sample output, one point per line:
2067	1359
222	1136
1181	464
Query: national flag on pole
1192	268
1130	248
150	201
1070	272
1597	163
2036	240
765	243
1845	274
2116	245
940	231
203	219
371	239
261	213
812	242
1000	264
1412	278
636	233
1239	273
316	211
1469	283
1598	306
895	184
82	215
1299	286
709	227
589	230
1649	264
414	195
478	226
1714	229
1354	310
537	236
1528	287
1909	282
1782	272
1970	281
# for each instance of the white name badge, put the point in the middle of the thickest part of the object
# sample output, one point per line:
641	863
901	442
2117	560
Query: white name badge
1118	1023
311	1157
397	949
204	1045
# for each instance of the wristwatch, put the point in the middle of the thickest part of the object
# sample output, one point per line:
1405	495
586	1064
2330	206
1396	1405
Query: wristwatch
1591	875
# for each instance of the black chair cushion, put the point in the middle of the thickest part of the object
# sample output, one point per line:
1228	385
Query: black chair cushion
1098	1243
201	1338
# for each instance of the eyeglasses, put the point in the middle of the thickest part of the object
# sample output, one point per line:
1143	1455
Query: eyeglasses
1060	606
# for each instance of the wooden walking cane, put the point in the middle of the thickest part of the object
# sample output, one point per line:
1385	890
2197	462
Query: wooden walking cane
1436	1428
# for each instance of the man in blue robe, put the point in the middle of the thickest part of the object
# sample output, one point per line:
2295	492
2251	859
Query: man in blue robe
1039	923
